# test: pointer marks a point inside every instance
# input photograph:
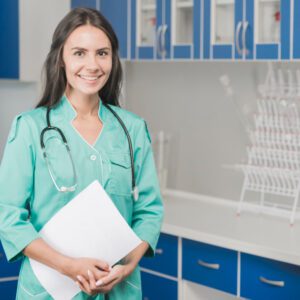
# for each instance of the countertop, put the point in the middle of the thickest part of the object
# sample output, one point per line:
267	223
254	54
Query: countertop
214	221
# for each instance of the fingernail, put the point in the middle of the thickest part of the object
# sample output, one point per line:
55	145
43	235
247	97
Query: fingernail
89	273
77	283
79	278
99	282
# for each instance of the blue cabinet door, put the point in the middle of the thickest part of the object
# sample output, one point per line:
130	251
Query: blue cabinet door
150	29
209	265
187	39
166	257
9	37
116	12
245	43
296	29
281	49
84	3
158	288
8	269
263	278
8	290
219	43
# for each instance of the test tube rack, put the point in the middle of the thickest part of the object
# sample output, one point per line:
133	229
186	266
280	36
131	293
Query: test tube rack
273	156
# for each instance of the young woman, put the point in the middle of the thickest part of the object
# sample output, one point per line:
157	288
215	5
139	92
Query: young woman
38	175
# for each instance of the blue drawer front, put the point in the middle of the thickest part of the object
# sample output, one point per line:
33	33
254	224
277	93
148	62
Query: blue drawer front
165	260
8	269
224	278
254	267
158	288
8	290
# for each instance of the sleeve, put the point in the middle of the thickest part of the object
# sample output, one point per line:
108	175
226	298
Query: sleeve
16	185
148	209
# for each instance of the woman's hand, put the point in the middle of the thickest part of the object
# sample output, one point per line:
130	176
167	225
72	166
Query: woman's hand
79	269
104	284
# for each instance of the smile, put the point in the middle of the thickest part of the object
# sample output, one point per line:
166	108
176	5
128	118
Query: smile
89	78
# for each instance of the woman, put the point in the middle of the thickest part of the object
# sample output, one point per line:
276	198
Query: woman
83	76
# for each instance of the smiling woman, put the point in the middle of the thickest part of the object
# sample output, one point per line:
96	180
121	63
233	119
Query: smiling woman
51	165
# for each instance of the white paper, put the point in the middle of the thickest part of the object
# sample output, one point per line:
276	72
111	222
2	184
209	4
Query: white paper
88	226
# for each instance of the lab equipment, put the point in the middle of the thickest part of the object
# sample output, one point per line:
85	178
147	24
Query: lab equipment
135	191
273	163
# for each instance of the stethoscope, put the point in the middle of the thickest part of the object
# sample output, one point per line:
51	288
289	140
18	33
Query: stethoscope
135	191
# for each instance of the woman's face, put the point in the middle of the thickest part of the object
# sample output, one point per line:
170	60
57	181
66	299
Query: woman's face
87	57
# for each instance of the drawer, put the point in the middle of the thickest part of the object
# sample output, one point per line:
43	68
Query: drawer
8	269
8	290
209	265
166	256
263	278
158	288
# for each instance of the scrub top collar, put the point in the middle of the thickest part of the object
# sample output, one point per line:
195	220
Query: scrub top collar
69	111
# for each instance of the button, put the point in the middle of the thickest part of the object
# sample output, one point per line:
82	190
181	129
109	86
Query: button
93	157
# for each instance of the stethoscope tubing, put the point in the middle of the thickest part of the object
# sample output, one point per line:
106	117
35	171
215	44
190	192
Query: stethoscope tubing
50	127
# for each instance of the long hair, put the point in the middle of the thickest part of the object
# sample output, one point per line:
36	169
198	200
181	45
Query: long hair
54	74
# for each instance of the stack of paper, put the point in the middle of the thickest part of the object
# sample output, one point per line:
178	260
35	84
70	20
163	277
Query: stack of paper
88	226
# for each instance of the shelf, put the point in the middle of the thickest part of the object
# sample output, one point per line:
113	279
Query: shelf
185	4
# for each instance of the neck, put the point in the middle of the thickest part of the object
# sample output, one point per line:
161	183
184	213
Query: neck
85	105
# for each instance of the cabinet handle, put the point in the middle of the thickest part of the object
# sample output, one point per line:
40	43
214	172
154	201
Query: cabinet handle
208	265
237	34
163	40
271	282
159	251
158	38
245	28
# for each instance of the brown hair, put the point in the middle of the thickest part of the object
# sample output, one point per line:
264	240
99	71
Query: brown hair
55	78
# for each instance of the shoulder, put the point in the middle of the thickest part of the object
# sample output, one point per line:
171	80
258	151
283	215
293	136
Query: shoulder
130	119
25	123
134	123
126	114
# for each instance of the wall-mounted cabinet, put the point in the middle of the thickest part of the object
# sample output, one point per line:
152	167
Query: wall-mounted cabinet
241	29
296	29
117	14
186	29
25	41
150	29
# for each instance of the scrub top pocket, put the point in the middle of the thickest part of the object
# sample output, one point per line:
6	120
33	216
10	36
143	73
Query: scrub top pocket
120	176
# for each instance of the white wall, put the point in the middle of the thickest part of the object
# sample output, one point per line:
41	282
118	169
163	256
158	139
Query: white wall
186	100
15	97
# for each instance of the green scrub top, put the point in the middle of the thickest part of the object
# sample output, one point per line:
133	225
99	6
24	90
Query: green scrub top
26	185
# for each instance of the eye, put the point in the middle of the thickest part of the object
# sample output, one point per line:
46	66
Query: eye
79	53
102	52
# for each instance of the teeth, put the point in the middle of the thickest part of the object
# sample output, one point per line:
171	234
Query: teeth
89	77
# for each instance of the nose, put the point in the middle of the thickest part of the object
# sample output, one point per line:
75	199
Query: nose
92	63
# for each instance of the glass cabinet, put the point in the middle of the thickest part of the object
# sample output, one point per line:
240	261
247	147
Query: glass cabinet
296	29
272	29
244	29
187	29
150	29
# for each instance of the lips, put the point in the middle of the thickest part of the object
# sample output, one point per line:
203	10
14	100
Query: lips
89	77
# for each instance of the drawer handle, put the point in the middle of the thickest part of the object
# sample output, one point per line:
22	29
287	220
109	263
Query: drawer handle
159	251
271	282
208	265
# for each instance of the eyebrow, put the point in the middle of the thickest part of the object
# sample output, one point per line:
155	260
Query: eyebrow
83	49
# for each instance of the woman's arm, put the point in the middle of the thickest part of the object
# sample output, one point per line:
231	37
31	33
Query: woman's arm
40	251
